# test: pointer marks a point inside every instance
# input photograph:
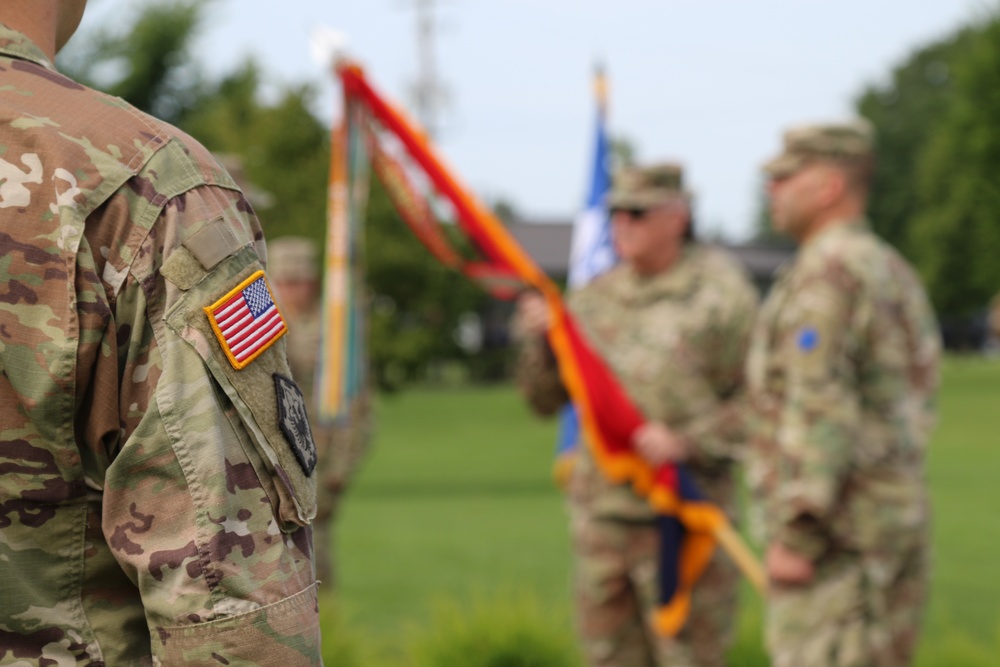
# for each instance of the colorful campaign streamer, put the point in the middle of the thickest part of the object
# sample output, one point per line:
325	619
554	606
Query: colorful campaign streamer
591	254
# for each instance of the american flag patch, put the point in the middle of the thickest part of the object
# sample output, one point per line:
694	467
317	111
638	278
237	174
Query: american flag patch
246	321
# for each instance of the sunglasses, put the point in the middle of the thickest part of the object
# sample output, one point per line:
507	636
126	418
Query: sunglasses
632	212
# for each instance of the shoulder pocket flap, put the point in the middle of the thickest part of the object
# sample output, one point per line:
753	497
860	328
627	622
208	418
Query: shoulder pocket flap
260	386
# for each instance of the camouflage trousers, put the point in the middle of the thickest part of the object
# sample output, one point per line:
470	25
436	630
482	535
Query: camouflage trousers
616	591
862	610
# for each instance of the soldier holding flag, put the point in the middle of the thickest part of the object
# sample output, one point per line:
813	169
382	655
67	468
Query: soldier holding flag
673	322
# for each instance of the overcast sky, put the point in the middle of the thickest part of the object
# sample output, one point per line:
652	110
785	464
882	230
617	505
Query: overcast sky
710	83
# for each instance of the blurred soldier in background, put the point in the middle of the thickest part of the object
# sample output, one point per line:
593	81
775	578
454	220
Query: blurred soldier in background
673	321
156	468
842	373
293	268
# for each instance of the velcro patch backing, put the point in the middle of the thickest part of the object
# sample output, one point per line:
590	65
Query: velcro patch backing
213	243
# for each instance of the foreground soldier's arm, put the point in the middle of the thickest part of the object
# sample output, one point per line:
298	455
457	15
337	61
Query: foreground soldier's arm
152	510
208	500
818	426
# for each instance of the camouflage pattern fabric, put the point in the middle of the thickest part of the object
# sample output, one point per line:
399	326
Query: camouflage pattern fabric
152	511
862	609
842	372
849	144
341	447
616	587
677	342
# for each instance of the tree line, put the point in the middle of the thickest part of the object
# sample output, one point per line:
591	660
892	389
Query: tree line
935	195
282	149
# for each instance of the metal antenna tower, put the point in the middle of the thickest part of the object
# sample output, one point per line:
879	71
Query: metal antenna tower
429	94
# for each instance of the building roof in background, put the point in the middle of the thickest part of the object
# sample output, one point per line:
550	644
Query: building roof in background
547	242
762	260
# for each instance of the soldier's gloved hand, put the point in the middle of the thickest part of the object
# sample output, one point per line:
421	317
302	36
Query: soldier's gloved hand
788	568
532	315
658	444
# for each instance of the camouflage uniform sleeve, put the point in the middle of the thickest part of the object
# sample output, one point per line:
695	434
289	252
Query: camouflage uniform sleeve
537	377
820	416
719	431
206	507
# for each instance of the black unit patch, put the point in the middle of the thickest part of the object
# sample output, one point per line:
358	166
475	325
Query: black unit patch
294	422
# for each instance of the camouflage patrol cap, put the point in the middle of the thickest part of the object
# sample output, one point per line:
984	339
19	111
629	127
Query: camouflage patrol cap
827	141
646	187
292	258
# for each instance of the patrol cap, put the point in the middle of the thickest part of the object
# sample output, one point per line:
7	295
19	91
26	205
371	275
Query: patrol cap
822	141
647	187
292	258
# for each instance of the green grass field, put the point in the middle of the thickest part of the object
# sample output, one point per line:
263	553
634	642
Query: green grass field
455	510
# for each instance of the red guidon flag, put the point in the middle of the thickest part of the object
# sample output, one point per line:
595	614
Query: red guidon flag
246	320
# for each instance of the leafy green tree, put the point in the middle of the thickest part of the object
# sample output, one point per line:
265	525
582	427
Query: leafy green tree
907	112
284	149
956	237
148	62
416	301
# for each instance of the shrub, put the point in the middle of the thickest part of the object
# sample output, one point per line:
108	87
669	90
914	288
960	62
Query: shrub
512	631
342	647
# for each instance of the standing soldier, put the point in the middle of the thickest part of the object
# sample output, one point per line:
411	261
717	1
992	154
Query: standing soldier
842	373
156	469
293	267
673	322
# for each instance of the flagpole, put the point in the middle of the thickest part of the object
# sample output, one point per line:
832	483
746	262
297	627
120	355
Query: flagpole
741	554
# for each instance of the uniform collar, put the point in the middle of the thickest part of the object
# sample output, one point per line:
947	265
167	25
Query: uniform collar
835	231
16	45
824	237
679	280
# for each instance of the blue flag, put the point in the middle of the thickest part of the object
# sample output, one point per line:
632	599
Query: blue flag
591	254
591	251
